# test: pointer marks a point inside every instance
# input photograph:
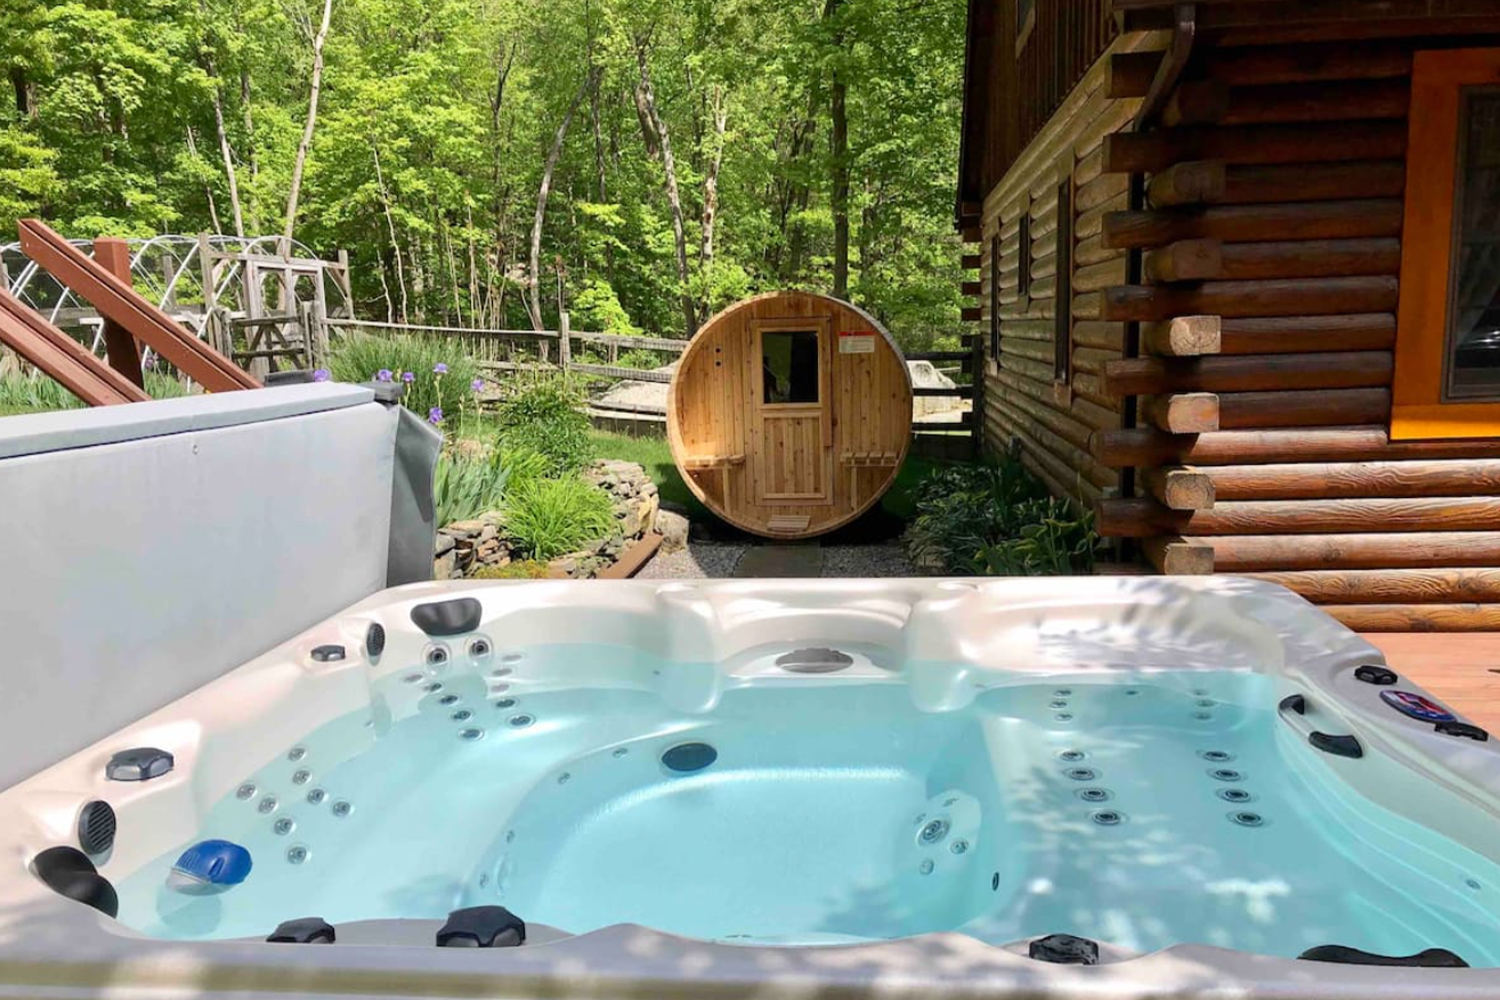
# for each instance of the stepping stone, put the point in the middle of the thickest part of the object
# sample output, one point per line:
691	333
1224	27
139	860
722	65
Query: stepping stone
780	561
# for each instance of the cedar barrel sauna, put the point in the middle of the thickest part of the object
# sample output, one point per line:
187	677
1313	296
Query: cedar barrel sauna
790	414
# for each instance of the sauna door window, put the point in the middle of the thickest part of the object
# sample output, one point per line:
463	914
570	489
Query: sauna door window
789	363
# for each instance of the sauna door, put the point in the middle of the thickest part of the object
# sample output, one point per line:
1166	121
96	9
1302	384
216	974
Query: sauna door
792	419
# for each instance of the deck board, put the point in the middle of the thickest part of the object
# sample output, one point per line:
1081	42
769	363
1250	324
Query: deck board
1458	668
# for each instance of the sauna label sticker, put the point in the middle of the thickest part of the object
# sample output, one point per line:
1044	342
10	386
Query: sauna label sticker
856	342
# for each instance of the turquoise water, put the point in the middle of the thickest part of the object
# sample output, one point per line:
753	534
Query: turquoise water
1142	811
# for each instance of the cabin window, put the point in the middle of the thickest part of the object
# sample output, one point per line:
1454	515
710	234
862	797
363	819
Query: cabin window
995	296
1023	272
789	361
1447	371
1062	330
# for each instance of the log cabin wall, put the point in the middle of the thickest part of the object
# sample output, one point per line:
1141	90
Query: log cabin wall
1044	394
1271	242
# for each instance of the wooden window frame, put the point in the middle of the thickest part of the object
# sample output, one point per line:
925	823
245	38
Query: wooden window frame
995	296
1062	302
1427	244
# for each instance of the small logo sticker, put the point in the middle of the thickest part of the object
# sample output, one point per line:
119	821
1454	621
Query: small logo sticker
1415	706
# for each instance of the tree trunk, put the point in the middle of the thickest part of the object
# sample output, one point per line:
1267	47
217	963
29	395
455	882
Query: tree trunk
840	165
307	128
674	199
534	300
208	190
711	194
23	92
227	154
390	223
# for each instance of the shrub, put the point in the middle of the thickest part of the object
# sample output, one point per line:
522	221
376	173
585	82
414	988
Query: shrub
525	569
551	517
546	416
361	358
464	487
23	392
998	520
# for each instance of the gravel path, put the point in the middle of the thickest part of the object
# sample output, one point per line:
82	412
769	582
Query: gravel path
717	560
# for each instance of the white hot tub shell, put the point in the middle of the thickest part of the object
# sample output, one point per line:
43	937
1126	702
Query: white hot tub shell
946	641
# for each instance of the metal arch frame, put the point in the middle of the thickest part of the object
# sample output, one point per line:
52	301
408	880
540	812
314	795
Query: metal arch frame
184	253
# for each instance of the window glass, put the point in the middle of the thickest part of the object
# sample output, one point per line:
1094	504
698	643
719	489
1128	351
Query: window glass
789	360
1474	309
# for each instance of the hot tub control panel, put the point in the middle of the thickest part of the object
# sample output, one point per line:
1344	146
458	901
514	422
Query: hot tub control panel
1417	707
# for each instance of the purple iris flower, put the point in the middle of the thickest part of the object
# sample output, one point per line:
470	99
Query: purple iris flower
408	377
477	385
322	375
384	375
440	368
435	415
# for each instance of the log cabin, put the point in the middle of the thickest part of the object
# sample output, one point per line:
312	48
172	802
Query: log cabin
1239	282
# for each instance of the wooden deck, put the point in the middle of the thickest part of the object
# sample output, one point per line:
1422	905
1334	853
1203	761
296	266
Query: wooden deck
1461	669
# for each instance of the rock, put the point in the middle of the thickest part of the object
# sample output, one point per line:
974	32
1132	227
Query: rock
648	514
674	530
563	564
630	524
487	550
444	566
488	532
443	545
473	527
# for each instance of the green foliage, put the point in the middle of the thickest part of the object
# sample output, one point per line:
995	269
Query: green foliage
998	520
545	415
20	393
653	455
551	517
524	569
435	120
464	486
360	358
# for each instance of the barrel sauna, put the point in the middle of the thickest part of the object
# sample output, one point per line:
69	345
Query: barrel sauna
790	414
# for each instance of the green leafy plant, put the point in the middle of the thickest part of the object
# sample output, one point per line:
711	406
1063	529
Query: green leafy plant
464	486
546	416
450	391
20	392
551	517
998	519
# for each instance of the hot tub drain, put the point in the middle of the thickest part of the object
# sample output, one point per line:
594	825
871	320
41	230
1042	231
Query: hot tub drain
685	758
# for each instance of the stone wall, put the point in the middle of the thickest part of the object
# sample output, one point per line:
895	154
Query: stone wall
466	548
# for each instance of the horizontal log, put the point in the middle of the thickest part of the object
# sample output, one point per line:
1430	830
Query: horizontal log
1201	182
1391	586
971	261
1120	447
1211	259
1094	277
971	288
1305	408
1091	359
1249	373
1394	550
1138	518
1308	334
1180	487
1183	413
971	314
1317	220
1277	297
1204	102
1174	556
1099	334
1130	74
1183	336
1320	480
1417	617
1321	142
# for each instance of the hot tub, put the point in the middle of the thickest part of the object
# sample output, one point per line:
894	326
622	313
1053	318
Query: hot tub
1119	786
